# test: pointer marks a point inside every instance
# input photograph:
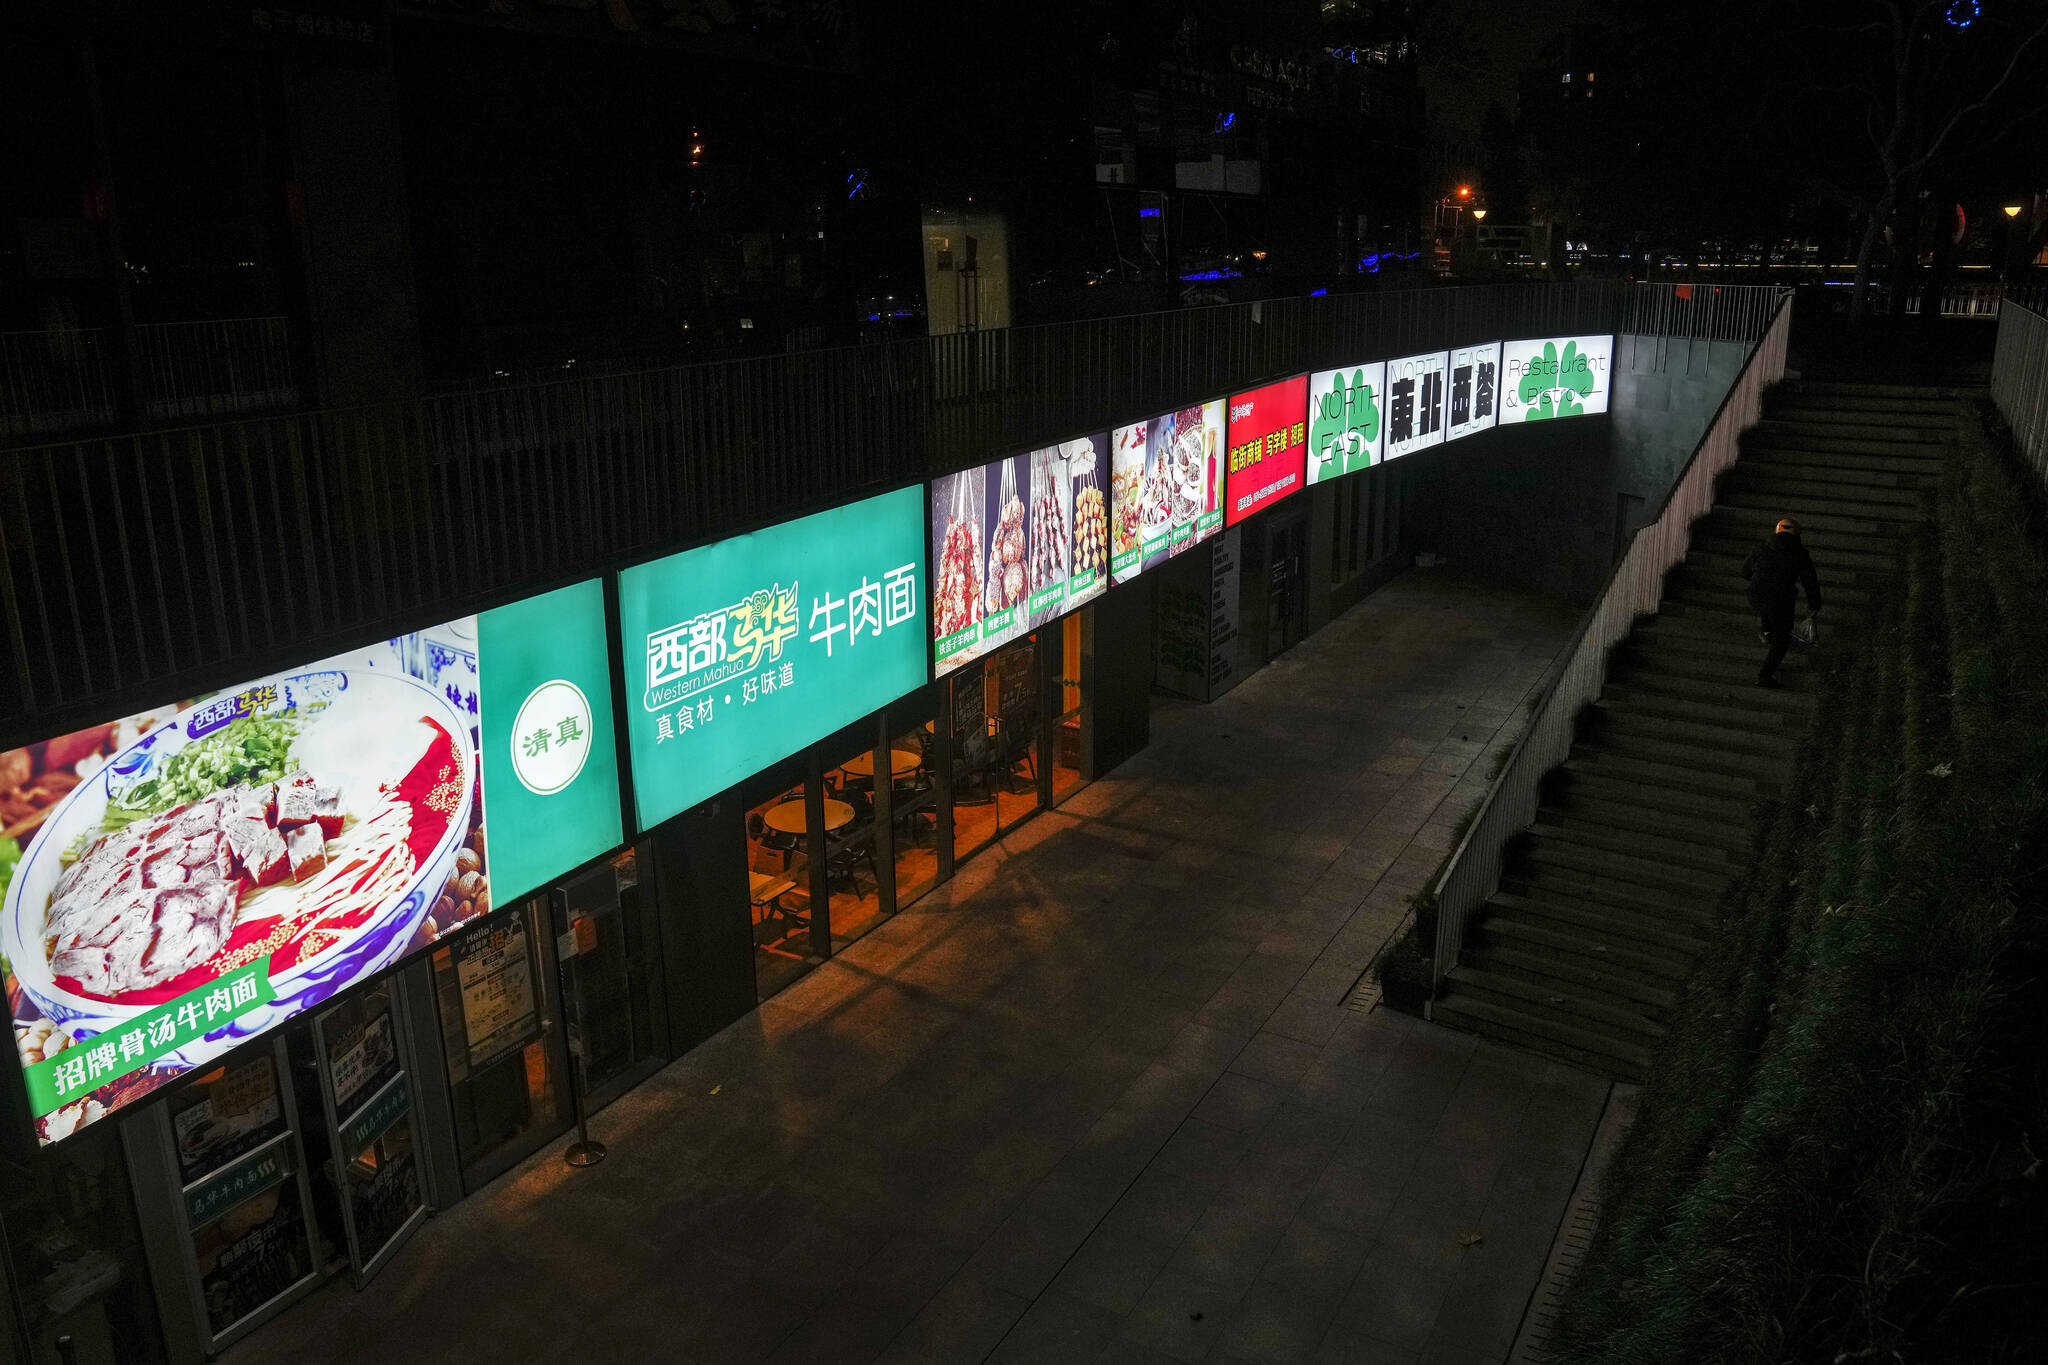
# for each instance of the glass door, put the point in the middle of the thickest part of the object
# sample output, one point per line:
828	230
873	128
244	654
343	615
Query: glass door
366	1090
609	950
222	1186
500	1040
1017	708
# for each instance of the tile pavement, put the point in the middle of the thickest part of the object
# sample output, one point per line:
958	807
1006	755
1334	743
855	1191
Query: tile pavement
1096	1099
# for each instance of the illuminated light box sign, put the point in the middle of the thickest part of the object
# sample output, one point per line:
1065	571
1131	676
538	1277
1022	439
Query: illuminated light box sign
1474	389
740	653
1415	402
1166	488
1346	420
1018	543
1554	377
199	873
1268	444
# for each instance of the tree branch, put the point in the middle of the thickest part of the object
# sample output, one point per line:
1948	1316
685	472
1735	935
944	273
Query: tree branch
1979	104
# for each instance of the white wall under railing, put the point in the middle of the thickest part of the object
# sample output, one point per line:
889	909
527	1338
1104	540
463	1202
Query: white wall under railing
1633	589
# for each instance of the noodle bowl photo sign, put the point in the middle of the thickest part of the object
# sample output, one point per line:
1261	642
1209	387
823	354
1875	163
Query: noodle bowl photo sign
179	881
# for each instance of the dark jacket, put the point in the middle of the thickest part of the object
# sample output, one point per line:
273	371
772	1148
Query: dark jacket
1777	569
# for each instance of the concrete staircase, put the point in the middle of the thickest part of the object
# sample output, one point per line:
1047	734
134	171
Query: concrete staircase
1608	898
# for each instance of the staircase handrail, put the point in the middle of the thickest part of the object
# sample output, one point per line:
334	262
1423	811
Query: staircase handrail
2019	380
1634	588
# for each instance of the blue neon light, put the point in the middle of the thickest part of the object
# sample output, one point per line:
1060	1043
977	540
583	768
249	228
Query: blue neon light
1317	293
1224	274
1148	213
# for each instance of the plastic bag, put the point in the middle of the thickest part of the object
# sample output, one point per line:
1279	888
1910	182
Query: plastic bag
1802	631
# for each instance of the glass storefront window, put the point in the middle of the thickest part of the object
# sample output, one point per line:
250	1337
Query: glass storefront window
778	878
501	1041
74	1250
1067	775
914	806
974	789
852	872
1016	699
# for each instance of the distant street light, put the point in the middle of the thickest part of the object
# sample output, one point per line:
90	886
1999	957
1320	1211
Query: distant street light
1479	214
2012	210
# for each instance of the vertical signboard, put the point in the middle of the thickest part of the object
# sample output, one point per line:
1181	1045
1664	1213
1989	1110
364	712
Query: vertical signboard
1166	487
1474	388
1554	377
1268	446
742	652
1346	420
1415	402
196	874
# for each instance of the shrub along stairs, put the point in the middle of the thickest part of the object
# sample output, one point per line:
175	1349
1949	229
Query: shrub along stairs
1607	899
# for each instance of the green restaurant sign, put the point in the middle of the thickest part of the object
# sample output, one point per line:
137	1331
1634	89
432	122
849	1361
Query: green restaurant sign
741	652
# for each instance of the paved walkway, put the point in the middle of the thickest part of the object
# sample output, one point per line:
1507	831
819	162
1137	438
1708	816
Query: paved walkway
1097	1099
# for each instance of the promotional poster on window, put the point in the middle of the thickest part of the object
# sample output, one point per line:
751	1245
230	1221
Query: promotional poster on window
180	880
1346	426
1554	377
1415	402
740	653
1475	389
1268	447
1016	544
1166	493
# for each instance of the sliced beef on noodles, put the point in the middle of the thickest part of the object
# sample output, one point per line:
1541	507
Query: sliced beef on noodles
146	904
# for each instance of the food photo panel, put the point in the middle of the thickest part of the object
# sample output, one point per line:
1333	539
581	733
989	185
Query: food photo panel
180	880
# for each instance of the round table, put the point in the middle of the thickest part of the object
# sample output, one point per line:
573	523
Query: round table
901	761
788	818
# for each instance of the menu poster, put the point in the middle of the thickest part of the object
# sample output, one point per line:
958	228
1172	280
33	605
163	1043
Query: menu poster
1166	492
236	1112
252	1253
362	1059
497	990
1474	389
1415	402
1346	420
1068	540
1268	445
980	594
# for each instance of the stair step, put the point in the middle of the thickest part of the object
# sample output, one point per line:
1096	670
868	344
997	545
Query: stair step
1582	1048
1507	920
1607	765
1821	531
1806	507
1740	622
1685	863
1876	436
1764	482
1769	724
1794	448
1631	679
1769	772
1848	388
1931	417
1758	464
1872	564
1638	926
1621	718
1728	840
1726	565
1719	594
1586	781
1621	875
1607	983
1554	1000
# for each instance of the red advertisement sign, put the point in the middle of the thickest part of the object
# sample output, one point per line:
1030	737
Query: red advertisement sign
1268	447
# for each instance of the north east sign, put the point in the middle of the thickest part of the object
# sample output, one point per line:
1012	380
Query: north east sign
742	652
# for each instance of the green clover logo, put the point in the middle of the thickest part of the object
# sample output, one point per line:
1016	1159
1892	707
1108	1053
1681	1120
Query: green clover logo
1346	424
1552	387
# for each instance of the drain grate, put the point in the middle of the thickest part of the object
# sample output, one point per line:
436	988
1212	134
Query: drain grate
1364	995
1575	1231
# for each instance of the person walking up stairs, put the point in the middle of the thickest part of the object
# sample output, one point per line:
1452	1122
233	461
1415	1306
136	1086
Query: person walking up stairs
1776	570
1608	898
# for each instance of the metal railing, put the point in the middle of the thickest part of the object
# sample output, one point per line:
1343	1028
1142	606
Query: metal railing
135	563
1634	588
2019	382
62	380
